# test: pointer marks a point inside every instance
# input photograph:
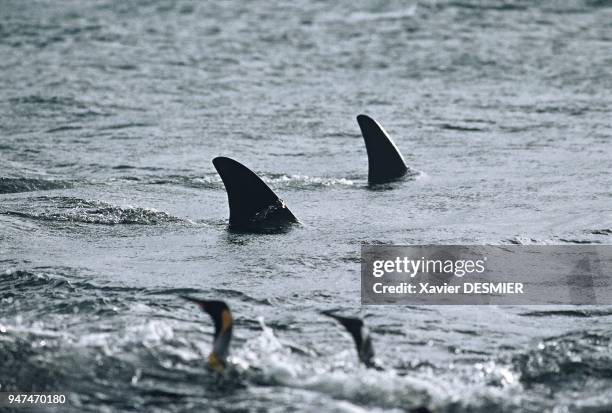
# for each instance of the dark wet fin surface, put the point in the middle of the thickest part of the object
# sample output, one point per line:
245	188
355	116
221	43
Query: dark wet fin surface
253	205
385	162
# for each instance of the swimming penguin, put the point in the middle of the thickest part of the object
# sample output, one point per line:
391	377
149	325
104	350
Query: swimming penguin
254	207
221	315
361	337
222	319
385	162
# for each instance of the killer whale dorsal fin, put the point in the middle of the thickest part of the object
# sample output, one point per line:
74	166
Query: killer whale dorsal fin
251	201
385	162
246	192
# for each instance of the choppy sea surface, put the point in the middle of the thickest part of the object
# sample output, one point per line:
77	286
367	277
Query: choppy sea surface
110	114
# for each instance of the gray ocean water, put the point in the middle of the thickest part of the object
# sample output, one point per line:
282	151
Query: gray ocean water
110	114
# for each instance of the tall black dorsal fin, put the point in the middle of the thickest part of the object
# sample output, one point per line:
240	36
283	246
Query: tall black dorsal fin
361	337
252	203
221	315
385	162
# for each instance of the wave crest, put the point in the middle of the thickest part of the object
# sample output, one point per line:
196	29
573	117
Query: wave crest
69	209
21	184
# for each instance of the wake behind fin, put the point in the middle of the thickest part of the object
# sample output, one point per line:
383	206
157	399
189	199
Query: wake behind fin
361	337
253	205
221	315
385	162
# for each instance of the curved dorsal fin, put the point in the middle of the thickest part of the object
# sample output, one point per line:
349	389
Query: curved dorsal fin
385	162
251	202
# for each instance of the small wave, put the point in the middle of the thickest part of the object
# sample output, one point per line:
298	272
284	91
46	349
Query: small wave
574	357
479	5
59	280
359	17
575	6
582	313
68	209
139	168
20	279
125	126
303	181
601	231
63	129
578	241
47	105
44	100
524	240
213	181
209	181
15	185
223	293
598	3
461	128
